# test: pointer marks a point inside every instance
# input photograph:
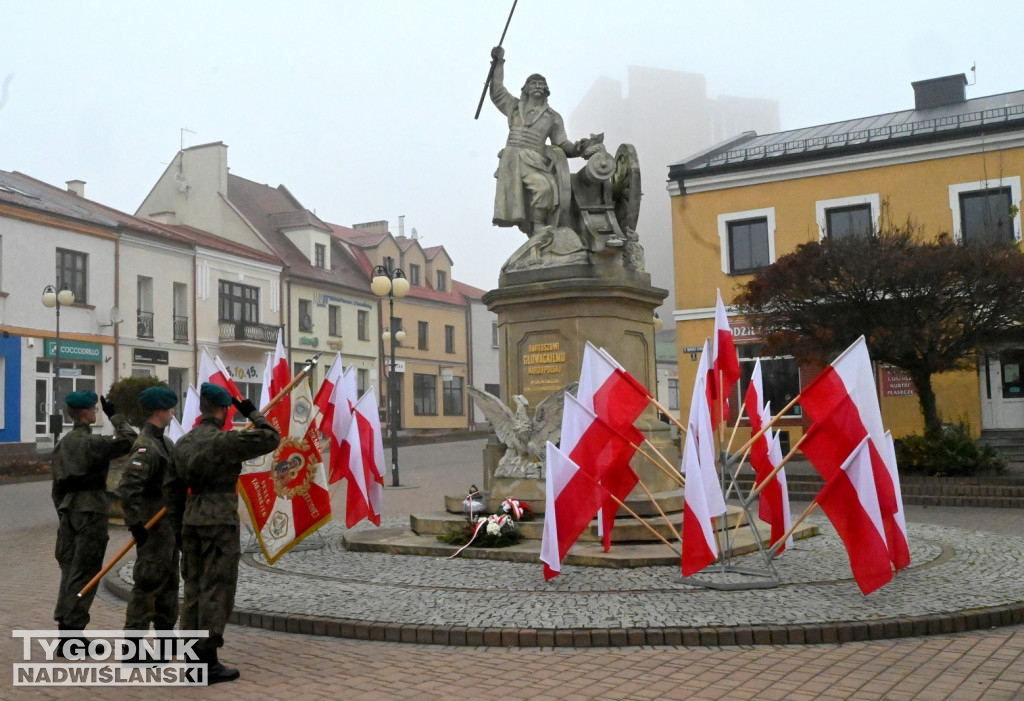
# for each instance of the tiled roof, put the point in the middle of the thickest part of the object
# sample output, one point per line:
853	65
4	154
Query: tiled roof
274	210
357	237
468	291
219	243
890	130
26	191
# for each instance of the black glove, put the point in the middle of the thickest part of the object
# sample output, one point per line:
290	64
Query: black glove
108	407
244	406
139	533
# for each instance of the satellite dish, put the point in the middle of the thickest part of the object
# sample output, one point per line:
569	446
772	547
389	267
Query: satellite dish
115	316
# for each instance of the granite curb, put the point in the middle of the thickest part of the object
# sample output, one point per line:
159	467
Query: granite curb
717	636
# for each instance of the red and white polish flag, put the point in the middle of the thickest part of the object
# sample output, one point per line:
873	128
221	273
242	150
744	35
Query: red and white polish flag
724	369
608	390
572	499
371	443
699	548
603	453
843	403
190	415
703	437
778	497
212	370
347	462
337	393
279	376
850	501
896	528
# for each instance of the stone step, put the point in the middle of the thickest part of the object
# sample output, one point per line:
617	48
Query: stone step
399	541
626	529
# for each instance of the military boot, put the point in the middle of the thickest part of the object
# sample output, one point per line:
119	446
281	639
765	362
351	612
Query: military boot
217	672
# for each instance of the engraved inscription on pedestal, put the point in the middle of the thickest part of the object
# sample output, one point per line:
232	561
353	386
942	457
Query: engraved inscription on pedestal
542	365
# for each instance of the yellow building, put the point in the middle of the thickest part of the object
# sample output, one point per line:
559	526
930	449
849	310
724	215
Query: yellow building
951	164
432	360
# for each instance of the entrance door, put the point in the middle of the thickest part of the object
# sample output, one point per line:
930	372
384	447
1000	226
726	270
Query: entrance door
1002	389
74	376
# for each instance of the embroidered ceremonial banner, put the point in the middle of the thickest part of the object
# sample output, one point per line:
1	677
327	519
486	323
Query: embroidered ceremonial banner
289	501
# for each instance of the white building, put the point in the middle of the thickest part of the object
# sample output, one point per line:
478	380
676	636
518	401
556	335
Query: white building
49	237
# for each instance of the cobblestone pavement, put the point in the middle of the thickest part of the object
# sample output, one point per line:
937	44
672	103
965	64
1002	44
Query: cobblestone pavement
978	664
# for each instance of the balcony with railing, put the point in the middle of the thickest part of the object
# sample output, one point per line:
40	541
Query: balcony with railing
145	324
180	329
247	332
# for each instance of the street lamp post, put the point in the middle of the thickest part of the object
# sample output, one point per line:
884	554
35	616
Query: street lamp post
53	299
391	283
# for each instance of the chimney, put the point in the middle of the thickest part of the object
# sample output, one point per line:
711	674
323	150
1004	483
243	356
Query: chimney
936	92
76	187
401	226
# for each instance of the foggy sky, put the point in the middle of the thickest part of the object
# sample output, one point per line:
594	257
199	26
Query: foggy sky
364	109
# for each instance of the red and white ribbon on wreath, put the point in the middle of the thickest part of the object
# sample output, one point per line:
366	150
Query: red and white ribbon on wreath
512	505
479	524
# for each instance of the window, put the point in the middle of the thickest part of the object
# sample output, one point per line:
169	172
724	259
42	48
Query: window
414	274
319	255
453	397
238	302
985	217
422	335
986	211
305	316
1	266
748	245
442	281
144	300
177	380
72	270
747	240
180	313
363	324
844	216
841	222
333	320
673	392
449	339
362	381
424	395
780	377
494	334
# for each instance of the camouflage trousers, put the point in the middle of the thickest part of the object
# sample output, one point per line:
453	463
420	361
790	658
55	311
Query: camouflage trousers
155	592
81	543
209	566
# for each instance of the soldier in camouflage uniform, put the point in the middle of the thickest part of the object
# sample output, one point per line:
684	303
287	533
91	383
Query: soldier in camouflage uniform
154	596
80	464
207	463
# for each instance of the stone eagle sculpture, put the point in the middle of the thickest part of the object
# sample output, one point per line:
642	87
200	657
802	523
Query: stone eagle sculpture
523	436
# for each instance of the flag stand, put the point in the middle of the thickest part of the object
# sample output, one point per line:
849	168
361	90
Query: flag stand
764	577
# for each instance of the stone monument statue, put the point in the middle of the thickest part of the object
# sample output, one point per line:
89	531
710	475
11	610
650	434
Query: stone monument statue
523	436
567	217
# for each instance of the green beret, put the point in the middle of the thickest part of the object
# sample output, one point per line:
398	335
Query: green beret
158	397
215	393
82	399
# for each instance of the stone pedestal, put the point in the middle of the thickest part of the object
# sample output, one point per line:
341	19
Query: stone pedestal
545	318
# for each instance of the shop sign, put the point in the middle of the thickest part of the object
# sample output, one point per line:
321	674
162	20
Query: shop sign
73	350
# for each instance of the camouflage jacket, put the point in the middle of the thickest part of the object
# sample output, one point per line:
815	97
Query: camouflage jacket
142	481
207	462
81	461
